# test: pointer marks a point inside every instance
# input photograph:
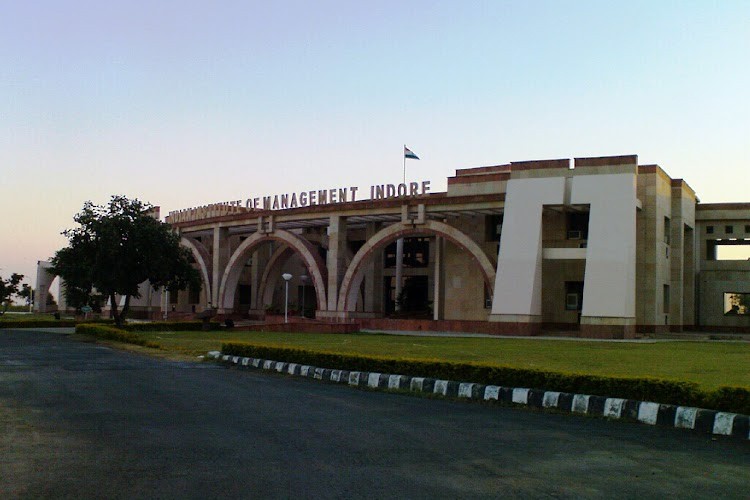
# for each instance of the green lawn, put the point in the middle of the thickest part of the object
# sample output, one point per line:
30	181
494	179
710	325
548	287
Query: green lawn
10	316
710	364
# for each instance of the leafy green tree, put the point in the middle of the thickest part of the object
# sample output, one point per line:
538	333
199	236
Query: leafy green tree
9	288
27	294
116	248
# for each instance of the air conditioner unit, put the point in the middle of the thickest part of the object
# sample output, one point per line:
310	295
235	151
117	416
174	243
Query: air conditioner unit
574	235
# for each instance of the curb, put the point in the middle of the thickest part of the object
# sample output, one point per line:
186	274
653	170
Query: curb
681	417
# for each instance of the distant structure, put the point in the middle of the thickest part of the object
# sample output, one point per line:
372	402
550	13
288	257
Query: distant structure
596	247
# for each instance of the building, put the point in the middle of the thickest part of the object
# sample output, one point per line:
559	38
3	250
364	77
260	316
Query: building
596	247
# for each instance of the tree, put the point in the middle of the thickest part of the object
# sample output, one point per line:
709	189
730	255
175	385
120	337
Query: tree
116	248
27	294
9	288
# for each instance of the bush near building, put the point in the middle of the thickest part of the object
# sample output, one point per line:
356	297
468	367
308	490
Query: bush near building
732	399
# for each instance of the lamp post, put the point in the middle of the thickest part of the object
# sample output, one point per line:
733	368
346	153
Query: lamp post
286	277
303	279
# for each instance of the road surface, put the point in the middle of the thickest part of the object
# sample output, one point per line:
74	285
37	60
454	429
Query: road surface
80	420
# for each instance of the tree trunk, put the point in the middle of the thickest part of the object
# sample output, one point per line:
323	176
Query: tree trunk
113	309
125	309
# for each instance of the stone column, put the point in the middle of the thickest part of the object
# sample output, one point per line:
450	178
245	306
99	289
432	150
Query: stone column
336	262
260	259
373	275
220	256
437	294
518	283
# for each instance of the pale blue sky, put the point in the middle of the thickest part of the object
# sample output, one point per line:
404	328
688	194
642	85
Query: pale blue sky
184	103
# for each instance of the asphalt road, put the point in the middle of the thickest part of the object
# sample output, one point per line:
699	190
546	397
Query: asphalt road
79	420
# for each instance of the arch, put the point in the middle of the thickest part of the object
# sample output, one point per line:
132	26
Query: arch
310	258
44	279
202	258
271	274
347	300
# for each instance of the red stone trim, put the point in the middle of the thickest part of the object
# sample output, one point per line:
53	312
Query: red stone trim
518	166
722	206
607	331
604	161
483	170
447	325
472	179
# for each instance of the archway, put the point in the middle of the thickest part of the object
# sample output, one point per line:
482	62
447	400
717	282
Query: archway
349	291
43	284
203	259
271	274
307	252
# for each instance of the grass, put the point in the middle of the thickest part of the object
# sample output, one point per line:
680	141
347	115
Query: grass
710	364
11	316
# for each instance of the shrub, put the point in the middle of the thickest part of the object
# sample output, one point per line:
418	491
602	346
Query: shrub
731	399
111	333
50	323
734	399
169	326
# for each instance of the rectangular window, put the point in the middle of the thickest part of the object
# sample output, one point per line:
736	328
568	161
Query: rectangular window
194	295
577	225
667	229
493	226
736	304
666	299
709	230
729	229
573	295
747	228
416	253
245	292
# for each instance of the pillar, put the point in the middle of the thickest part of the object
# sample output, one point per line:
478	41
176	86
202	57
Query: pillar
336	262
220	257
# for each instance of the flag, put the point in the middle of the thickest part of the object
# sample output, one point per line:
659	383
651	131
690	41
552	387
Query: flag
408	153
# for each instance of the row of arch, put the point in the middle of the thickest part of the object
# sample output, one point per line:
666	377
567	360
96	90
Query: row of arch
348	291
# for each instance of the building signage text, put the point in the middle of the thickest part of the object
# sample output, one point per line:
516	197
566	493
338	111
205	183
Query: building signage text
300	199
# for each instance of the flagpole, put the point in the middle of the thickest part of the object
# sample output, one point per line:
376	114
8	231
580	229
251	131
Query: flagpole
404	163
400	257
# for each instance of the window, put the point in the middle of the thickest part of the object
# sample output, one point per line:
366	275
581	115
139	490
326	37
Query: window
245	293
709	230
573	295
736	304
666	299
577	225
194	295
667	229
729	229
493	226
747	228
416	253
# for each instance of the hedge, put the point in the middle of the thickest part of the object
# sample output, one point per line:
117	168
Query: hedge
731	399
111	333
170	326
50	323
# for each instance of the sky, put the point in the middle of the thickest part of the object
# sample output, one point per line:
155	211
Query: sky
184	103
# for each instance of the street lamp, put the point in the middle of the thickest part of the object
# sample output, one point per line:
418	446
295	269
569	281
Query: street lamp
303	279
286	277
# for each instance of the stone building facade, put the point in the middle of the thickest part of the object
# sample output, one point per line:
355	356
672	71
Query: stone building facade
596	247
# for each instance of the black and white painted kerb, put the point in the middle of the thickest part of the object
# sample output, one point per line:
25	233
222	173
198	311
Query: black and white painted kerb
683	417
